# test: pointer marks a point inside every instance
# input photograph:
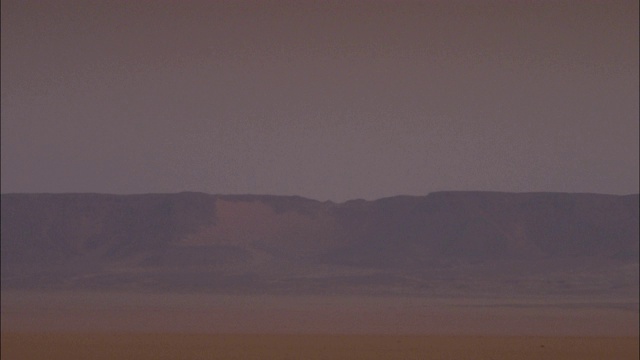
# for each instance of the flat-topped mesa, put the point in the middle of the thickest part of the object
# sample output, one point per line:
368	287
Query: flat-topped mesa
265	234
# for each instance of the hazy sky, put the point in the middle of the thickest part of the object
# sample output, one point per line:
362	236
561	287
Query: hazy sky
327	100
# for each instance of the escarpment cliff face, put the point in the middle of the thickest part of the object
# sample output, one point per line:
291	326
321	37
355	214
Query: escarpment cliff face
442	242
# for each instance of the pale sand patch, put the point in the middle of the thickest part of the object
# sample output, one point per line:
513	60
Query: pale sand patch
54	346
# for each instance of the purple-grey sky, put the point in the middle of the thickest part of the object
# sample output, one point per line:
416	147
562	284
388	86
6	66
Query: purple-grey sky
328	100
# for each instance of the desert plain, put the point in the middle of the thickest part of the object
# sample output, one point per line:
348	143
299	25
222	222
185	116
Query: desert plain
116	325
320	346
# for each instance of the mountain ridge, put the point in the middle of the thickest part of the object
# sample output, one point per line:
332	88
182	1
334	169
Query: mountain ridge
444	240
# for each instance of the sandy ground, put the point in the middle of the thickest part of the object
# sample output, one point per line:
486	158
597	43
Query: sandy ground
60	325
66	346
207	313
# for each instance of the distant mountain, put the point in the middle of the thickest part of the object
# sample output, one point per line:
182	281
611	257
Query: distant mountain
446	242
